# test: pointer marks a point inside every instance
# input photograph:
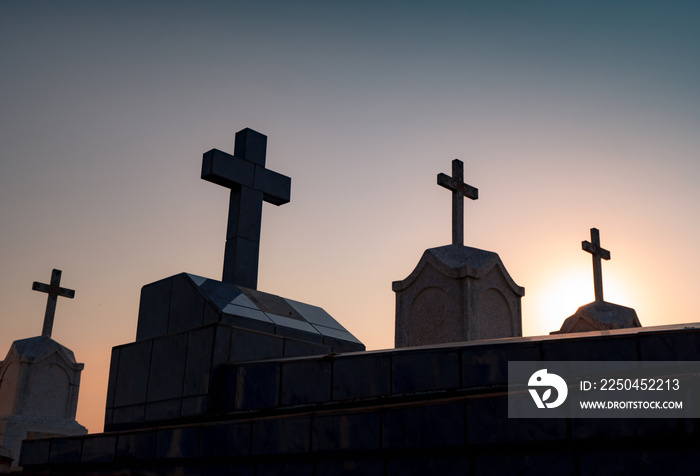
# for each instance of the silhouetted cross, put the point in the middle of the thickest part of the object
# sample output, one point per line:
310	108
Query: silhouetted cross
250	182
594	248
54	290
459	191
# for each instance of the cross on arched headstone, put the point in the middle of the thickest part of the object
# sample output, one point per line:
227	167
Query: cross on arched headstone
593	247
251	183
54	290
459	191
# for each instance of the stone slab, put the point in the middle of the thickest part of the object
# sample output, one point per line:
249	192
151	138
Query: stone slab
185	302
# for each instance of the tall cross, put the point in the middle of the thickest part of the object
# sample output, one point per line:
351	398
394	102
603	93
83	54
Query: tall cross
251	183
593	247
459	191
53	290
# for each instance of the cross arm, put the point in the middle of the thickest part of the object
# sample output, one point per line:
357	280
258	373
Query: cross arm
595	250
276	188
45	288
230	171
227	170
450	183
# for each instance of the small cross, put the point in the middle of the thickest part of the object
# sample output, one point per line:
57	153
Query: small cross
459	191
54	290
251	183
593	247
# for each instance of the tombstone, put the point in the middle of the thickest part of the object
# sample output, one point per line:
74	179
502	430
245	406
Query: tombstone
598	315
39	382
457	293
190	326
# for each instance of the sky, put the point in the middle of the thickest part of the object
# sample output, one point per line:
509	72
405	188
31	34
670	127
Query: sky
567	116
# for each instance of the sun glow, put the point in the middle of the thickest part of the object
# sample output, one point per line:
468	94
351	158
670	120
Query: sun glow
560	297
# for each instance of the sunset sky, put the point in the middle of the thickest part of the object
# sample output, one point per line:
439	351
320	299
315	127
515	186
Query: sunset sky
567	116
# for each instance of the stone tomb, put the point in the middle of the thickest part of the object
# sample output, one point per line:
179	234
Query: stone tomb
457	293
188	328
39	383
599	315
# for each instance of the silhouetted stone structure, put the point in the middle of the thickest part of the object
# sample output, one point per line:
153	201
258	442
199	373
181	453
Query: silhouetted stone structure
598	315
224	379
251	183
39	383
457	293
189	327
428	410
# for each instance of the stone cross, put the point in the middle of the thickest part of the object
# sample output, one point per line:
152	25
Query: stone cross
53	290
459	191
251	183
593	247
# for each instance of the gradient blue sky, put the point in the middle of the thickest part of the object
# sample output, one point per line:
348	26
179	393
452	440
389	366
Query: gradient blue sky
567	115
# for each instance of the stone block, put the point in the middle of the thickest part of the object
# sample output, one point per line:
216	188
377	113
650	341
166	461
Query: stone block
35	452
198	361
99	449
276	187
112	380
132	414
250	345
136	446
425	370
315	315
418	427
241	257
346	432
211	315
220	168
222	346
167	369
622	347
228	440
487	365
306	381
177	442
249	318
339	335
492	413
295	328
257	386
342	346
65	450
163	409
678	345
281	436
186	305
194	406
223	294
361	376
224	389
153	309
299	348
132	374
